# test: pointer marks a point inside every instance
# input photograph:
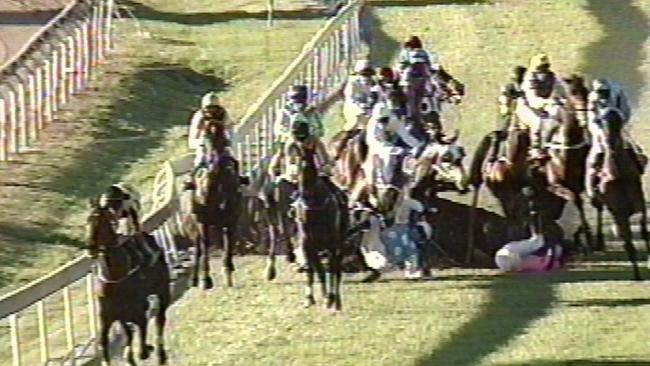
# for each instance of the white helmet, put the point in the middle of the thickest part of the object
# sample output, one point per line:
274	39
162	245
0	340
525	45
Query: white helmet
361	65
209	99
600	84
507	261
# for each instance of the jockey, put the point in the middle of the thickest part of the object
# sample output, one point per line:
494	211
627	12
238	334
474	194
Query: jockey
387	138
284	164
297	104
124	201
415	65
210	114
544	94
387	80
357	96
507	102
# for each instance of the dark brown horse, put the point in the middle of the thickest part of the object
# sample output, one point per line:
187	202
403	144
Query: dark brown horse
506	175
216	204
620	188
125	285
321	228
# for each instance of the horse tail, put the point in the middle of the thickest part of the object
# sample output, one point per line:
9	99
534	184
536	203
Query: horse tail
478	159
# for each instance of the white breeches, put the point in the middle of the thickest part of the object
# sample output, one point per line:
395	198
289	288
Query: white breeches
353	114
380	164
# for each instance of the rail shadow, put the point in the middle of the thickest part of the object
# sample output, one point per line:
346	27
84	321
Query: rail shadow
205	18
619	54
156	98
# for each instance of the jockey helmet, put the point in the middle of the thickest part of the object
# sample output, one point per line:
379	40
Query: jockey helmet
539	61
414	42
517	75
386	73
362	66
209	99
298	93
300	129
600	85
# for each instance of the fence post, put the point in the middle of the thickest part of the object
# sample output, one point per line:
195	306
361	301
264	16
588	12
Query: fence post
92	311
15	339
69	323
42	332
13	119
4	132
108	41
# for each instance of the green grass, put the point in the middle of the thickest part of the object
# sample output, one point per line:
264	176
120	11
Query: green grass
593	316
131	120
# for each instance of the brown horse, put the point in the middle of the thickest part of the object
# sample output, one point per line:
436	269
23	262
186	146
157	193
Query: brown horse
620	188
322	227
216	204
126	284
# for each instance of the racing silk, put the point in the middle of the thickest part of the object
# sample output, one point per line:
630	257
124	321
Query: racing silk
128	220
617	99
540	88
358	99
197	128
287	161
529	255
282	126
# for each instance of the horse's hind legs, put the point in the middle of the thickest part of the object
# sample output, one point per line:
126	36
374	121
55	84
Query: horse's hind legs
145	349
128	350
623	226
270	266
228	265
161	319
103	341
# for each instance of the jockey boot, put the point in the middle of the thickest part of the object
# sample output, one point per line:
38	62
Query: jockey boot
497	137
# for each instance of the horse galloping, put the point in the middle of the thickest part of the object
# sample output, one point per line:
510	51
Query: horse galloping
125	285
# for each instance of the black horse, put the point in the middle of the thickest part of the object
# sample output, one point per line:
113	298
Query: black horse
125	283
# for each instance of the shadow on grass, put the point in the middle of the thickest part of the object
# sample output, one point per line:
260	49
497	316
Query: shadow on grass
383	48
386	3
608	303
514	304
619	54
580	363
146	12
155	99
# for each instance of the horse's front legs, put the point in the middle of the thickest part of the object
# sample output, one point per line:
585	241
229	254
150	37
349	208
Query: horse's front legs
205	259
103	340
625	232
128	350
145	349
227	236
270	265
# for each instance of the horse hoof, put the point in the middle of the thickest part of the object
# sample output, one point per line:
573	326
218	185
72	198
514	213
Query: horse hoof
162	357
270	273
146	352
309	301
228	276
291	257
372	277
207	283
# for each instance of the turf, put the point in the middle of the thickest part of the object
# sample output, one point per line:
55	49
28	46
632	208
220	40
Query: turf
133	117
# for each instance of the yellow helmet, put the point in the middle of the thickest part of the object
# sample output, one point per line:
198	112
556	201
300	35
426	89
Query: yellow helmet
538	60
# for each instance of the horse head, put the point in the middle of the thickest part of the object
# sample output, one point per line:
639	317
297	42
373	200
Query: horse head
100	229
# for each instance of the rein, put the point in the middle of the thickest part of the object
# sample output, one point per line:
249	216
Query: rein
560	146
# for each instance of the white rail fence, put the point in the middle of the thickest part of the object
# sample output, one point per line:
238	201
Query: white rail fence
323	65
54	64
53	320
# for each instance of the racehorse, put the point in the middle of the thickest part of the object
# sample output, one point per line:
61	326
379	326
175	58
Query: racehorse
505	175
126	285
216	204
620	188
321	228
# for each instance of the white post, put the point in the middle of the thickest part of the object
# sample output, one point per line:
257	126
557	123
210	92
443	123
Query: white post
69	324
269	11
15	339
4	132
92	311
42	332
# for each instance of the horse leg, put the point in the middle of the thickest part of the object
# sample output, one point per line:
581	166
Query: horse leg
161	319
128	350
320	272
205	259
198	252
103	340
600	238
270	265
643	224
335	272
145	349
309	290
226	235
285	225
584	225
625	232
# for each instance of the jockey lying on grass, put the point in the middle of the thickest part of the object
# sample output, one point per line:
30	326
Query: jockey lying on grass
544	94
607	96
124	201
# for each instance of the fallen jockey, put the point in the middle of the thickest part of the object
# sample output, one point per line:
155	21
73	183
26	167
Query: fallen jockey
607	96
124	201
415	74
544	94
